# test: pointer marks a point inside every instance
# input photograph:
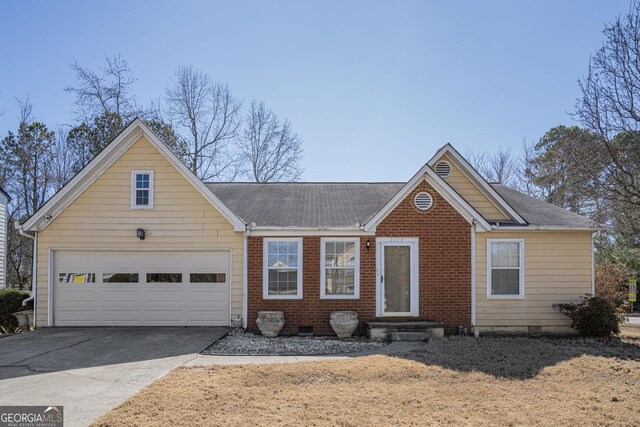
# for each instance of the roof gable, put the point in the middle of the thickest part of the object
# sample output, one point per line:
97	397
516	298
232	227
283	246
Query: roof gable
438	184
105	159
488	194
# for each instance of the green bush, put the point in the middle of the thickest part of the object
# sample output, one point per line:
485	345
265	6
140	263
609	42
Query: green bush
593	316
10	302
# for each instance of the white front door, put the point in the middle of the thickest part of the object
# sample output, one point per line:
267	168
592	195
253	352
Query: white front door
397	277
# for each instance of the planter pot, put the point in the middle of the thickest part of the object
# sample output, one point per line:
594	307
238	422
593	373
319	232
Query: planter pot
270	323
344	323
25	319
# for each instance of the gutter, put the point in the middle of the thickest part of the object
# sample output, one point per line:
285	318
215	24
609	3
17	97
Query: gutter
34	266
473	275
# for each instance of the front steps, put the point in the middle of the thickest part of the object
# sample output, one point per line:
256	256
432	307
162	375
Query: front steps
418	330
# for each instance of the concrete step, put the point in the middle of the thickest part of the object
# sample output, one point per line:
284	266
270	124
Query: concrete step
410	336
383	329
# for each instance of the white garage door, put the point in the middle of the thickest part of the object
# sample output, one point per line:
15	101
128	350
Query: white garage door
141	288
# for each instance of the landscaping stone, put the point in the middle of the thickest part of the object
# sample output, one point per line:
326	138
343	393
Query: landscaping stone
245	343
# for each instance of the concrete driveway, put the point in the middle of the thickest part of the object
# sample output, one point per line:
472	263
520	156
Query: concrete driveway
91	370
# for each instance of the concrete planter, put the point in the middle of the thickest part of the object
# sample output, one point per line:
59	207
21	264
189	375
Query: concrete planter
25	319
344	323
270	323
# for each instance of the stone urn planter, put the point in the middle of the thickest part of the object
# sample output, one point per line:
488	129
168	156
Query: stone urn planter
344	323
25	319
270	323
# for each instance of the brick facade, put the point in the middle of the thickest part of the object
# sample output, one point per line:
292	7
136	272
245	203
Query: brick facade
444	270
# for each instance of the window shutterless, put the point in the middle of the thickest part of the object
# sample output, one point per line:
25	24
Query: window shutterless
282	268
142	189
340	268
505	268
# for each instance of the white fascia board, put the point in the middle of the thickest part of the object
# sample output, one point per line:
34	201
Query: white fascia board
440	185
477	179
97	166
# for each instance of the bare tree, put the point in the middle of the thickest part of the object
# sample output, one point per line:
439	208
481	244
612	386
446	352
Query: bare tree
64	163
501	166
107	91
207	118
270	148
609	107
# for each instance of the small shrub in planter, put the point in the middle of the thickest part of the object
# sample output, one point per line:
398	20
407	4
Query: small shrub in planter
11	302
593	316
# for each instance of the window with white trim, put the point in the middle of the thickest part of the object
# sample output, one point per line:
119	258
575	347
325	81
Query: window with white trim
339	268
142	189
505	268
282	268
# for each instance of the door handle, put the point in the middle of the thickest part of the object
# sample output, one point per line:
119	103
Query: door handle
381	278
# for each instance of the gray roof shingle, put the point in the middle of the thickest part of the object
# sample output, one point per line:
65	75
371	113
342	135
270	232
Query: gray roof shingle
346	204
305	204
540	213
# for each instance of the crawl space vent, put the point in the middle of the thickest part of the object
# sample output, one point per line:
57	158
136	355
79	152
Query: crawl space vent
443	169
423	201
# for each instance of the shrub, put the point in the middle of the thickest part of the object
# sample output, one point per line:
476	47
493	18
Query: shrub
612	283
593	316
10	302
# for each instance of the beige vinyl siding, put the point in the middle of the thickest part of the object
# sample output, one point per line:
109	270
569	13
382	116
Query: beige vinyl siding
557	269
101	217
471	193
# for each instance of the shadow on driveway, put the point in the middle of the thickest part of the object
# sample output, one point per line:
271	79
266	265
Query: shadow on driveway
63	349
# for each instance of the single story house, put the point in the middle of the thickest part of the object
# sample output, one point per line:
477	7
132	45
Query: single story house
136	239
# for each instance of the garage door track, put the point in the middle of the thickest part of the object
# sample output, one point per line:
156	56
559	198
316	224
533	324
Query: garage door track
91	370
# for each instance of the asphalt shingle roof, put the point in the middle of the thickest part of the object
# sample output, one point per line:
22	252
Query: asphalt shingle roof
346	204
540	213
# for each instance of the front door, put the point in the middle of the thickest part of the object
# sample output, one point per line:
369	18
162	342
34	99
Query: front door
397	277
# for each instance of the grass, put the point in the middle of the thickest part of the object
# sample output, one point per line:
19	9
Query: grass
450	382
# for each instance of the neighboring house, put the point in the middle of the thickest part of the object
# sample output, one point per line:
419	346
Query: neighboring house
4	217
136	239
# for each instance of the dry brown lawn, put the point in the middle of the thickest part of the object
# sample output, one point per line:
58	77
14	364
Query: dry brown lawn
454	382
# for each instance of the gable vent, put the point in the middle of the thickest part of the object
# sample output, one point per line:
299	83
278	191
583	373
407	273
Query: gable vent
443	169
423	201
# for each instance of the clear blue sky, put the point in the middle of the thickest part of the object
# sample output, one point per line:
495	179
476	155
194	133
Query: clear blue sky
373	88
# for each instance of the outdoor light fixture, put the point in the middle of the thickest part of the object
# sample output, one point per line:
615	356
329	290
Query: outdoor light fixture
140	233
368	245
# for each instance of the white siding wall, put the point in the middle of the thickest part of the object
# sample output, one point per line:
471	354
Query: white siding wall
3	240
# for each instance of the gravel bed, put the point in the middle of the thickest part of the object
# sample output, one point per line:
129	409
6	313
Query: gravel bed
239	343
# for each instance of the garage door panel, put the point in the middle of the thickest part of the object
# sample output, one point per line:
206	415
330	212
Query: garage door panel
98	288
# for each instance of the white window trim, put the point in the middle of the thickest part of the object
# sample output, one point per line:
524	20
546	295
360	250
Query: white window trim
265	268
323	268
522	267
133	189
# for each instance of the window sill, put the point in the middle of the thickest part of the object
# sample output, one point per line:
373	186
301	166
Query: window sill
290	297
347	297
507	297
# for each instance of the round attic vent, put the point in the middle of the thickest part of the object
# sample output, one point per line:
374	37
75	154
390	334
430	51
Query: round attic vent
443	169
423	201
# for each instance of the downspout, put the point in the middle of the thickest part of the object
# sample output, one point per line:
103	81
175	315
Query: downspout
473	274
245	277
34	266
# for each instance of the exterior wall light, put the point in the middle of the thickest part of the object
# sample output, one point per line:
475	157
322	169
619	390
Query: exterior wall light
140	233
368	245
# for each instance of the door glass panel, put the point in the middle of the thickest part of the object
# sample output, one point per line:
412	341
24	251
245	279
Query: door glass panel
397	279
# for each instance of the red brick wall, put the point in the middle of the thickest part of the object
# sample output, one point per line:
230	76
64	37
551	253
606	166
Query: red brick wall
444	271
